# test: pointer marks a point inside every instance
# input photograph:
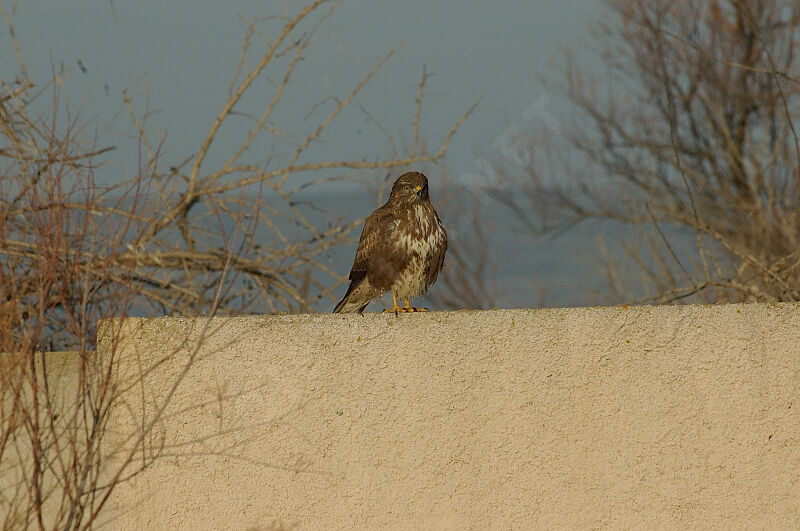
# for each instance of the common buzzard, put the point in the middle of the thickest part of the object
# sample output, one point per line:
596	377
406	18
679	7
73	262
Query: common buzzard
401	249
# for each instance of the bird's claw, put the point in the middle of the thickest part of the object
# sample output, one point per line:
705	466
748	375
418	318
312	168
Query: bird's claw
404	309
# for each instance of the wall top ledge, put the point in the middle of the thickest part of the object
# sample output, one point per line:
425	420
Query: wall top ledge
745	310
687	328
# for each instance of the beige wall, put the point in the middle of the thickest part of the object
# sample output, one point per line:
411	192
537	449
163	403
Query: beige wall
682	416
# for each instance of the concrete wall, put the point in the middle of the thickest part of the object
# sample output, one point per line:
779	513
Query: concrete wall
682	416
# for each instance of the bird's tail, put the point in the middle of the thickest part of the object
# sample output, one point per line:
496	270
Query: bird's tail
353	301
346	305
340	306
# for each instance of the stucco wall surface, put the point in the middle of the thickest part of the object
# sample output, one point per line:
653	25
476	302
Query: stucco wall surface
682	416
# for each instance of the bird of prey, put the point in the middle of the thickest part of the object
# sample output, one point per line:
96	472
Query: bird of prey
401	249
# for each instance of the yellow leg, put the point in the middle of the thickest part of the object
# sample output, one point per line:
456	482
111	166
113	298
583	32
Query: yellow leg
410	308
395	308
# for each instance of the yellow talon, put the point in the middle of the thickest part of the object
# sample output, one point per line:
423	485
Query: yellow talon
406	308
395	308
411	309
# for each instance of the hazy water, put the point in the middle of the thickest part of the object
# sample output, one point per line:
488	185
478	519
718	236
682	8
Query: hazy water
524	271
563	270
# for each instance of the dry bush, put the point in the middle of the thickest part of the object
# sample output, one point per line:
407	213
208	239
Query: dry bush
186	238
467	280
686	137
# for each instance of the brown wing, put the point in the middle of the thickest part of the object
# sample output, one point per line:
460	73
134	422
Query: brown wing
376	257
371	239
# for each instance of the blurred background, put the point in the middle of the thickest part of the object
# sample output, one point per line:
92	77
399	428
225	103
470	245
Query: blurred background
185	157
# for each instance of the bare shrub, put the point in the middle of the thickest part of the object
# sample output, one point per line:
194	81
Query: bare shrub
467	280
686	136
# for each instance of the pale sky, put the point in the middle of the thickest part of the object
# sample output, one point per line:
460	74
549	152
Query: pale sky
185	51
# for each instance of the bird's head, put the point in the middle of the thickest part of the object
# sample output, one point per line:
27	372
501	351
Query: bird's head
411	186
